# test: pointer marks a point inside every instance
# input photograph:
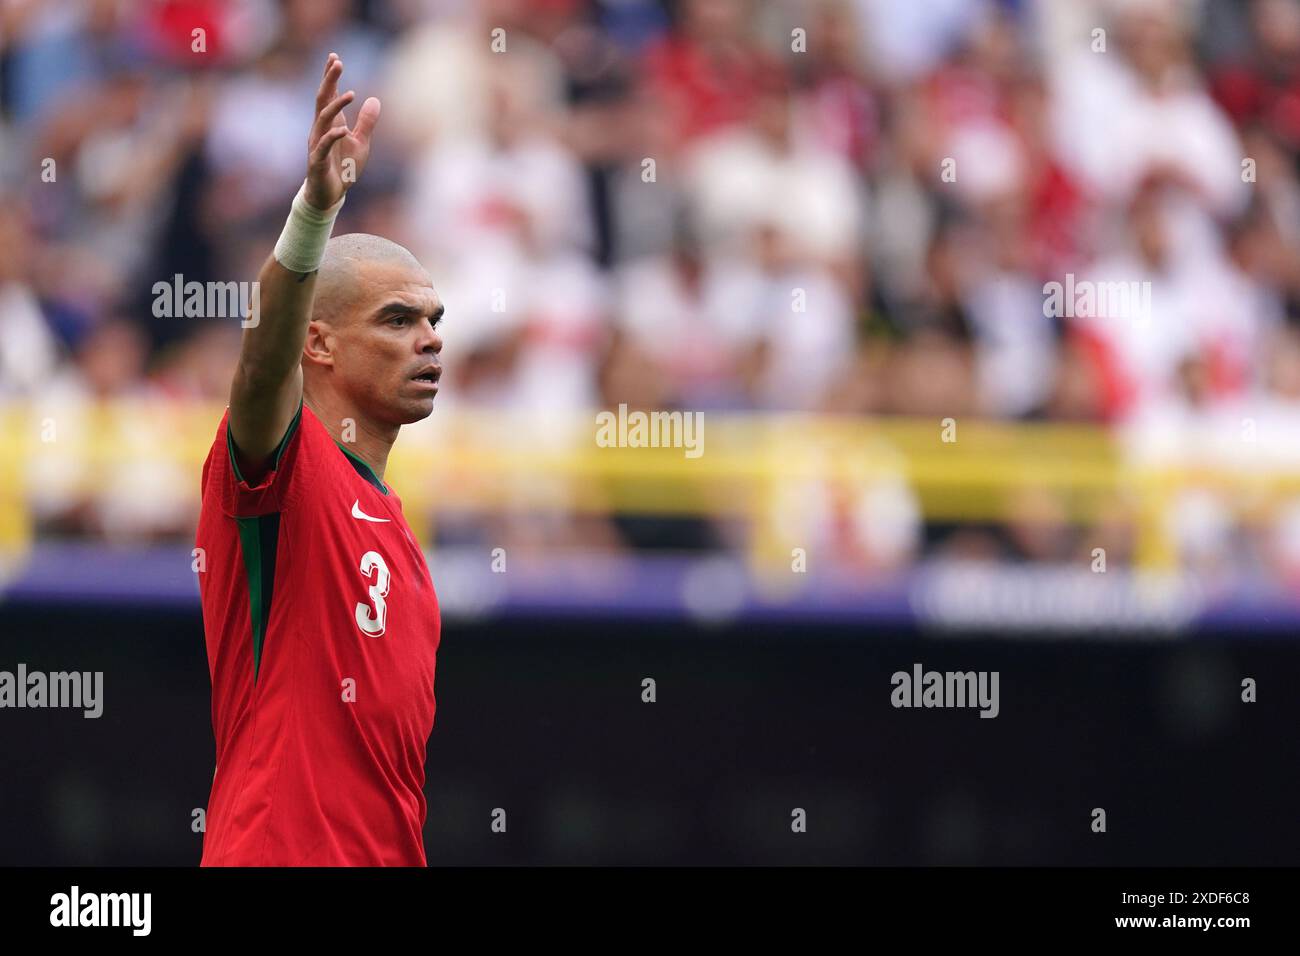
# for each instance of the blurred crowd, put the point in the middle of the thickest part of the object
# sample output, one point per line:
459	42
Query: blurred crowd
853	207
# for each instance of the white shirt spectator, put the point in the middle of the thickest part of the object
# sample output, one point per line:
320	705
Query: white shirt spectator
737	180
1015	345
27	350
468	194
1111	130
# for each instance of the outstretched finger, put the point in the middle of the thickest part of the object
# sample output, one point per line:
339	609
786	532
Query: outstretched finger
329	81
329	116
326	141
367	119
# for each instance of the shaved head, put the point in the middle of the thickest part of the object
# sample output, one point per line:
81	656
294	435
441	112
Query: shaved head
341	268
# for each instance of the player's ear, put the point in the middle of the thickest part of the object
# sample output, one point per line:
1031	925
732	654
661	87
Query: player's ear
319	345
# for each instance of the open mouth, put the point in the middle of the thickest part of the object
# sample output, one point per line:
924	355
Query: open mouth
429	376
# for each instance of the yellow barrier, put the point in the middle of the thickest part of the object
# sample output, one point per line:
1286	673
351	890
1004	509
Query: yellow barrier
474	461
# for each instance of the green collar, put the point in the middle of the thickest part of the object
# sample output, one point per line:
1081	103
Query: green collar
362	468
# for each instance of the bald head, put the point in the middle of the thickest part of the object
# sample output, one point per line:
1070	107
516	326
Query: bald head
339	282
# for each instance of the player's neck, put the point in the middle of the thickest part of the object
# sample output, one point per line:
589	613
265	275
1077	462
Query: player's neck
363	438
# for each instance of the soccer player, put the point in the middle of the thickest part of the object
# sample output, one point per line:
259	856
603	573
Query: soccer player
321	620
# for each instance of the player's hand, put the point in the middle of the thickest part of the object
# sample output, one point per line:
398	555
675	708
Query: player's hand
336	155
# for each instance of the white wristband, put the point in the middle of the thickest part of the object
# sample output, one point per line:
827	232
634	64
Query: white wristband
301	245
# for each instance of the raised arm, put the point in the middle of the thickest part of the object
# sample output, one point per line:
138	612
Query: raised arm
267	386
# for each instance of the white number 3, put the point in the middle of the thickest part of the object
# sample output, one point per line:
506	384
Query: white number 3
374	623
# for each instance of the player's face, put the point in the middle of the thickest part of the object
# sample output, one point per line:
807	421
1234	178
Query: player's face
387	357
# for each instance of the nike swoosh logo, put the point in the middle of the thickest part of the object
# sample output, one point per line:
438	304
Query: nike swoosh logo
358	513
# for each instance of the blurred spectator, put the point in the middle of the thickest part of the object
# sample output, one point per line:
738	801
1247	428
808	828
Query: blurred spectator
706	72
766	170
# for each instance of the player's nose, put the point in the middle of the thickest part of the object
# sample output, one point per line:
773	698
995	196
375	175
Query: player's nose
430	339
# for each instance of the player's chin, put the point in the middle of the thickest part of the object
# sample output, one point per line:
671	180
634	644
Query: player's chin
411	410
412	401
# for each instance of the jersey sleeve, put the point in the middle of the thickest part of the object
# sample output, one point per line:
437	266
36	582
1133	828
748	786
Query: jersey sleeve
280	488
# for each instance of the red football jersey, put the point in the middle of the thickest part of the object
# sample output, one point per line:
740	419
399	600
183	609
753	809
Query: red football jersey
322	633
